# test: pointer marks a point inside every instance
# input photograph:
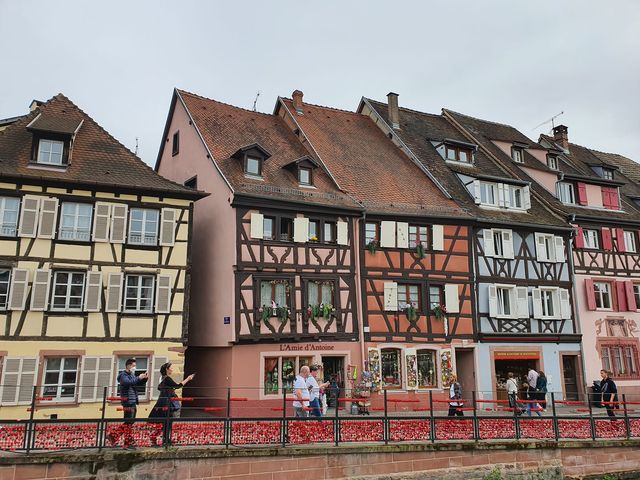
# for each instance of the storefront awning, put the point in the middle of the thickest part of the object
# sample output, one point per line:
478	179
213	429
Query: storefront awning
516	355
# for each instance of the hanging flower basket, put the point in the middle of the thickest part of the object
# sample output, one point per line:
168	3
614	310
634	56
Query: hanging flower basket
283	314
411	312
314	312
420	251
327	310
266	313
440	311
372	246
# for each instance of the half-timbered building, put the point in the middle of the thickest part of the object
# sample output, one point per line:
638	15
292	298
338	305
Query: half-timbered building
94	255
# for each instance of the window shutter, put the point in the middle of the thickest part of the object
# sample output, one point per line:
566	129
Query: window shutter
402	234
487	236
451	298
607	244
582	194
118	222
438	237
536	297
507	243
501	193
93	292
19	285
387	234
154	379
565	304
526	197
615	198
105	376
493	301
522	302
48	215
88	376
29	216
579	238
300	229
390	296
559	247
476	191
507	195
101	217
168	227
411	368
28	372
557	309
621	294
541	254
591	294
374	364
163	294
620	240
257	225
342	233
10	379
631	298
40	290
114	292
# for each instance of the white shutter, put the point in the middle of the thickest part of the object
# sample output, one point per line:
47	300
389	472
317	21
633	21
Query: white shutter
487	235
559	244
101	219
163	294
451	298
154	379
118	222
557	309
541	250
40	290
387	234
300	229
522	302
88	377
29	216
476	191
402	238
105	376
93	292
411	368
565	305
502	189
493	301
19	285
537	303
114	292
28	372
507	244
390	296
10	379
48	215
168	227
527	197
438	237
342	233
257	225
507	195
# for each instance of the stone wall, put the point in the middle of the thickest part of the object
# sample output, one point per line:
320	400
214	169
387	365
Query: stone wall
532	460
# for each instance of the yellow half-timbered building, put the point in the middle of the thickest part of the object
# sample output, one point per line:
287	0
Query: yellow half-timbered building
94	265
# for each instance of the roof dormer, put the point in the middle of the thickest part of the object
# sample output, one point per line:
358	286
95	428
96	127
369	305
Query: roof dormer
303	168
456	151
53	139
252	157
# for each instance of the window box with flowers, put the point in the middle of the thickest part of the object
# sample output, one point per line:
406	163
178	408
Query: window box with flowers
274	312
320	295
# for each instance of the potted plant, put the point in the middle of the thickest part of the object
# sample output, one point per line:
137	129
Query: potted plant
282	313
372	246
420	250
327	310
313	311
440	311
266	312
411	312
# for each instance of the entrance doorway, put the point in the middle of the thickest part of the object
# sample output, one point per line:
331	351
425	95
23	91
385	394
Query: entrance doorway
466	371
570	376
519	367
333	368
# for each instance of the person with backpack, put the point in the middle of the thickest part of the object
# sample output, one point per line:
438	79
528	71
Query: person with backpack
166	399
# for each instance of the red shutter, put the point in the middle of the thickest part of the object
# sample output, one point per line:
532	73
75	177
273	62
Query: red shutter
620	239
621	293
631	298
615	199
579	240
606	197
607	244
591	294
582	194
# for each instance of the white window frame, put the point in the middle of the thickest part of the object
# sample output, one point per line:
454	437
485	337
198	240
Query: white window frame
257	161
549	247
143	233
636	294
591	238
138	289
548	302
607	174
565	190
58	398
552	162
630	241
41	154
298	364
409	288
517	154
67	295
143	389
76	233
484	192
601	293
512	302
4	304
435	354
9	229
513	189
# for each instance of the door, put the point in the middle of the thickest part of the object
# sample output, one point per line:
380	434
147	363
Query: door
570	374
333	368
465	371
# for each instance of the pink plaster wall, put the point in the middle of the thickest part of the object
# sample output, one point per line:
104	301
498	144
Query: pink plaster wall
546	179
504	146
213	241
594	195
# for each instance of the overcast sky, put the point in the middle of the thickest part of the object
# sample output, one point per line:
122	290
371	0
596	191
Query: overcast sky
513	61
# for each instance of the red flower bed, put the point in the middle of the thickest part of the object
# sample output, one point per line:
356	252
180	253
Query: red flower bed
574	428
635	427
50	436
197	433
611	429
405	430
255	433
311	431
535	428
139	434
450	429
497	428
361	431
11	437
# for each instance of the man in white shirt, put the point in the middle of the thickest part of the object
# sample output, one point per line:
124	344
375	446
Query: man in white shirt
301	392
314	391
532	378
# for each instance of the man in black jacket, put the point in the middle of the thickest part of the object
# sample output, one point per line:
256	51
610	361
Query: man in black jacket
609	393
128	382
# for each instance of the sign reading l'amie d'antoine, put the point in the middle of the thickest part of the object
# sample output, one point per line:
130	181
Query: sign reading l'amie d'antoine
305	347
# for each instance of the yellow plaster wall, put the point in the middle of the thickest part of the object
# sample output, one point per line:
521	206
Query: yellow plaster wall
75	252
32	188
102	252
149	257
174	327
179	255
105	195
65	326
32	326
41	247
136	327
8	186
8	247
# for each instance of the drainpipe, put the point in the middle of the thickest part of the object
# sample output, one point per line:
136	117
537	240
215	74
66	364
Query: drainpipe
358	286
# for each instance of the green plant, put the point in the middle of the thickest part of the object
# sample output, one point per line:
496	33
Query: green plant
494	474
267	313
440	311
372	246
282	313
327	308
313	311
411	312
420	250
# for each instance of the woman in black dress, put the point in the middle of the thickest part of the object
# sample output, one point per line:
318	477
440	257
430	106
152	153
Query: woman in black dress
168	387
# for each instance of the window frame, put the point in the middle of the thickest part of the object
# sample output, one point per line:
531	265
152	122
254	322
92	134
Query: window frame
589	234
517	152
440	288
630	241
608	358
553	161
4	304
607	173
318	234
409	290
143	232
512	302
175	143
484	189
547	304
333	227
457	151
287	282
309	170
550	247
138	298
58	398
600	295
52	142
636	294
570	189
434	355
259	160
320	282
75	230
300	361
67	296
376	232
399	354
3	212
144	388
418	232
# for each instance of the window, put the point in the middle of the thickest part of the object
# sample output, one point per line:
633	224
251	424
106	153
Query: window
9	216
630	244
142	366
636	294
515	196
371	232
390	366
50	152
566	193
5	278
143	226
268	226
516	154
591	239
504	301
602	292
175	144
314	230
498	244
607	174
546	296
545	247
305	176
286	229
458	154
417	235
488	193
552	162
138	295
436	296
68	291
329	232
408	294
253	166
289	366
427	371
192	183
75	223
274	291
320	293
60	375
621	360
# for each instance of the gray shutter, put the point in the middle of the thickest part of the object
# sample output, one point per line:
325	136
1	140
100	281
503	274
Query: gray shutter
163	294
19	285
565	305
493	301
300	229
105	375
10	378
537	303
154	379
557	307
487	235
48	216
101	219
29	216
40	290
387	234
507	244
343	238
118	222
93	292
527	198
257	225
541	250
452	298
522	301
437	237
88	376
28	372
476	191
114	292
168	227
559	247
402	234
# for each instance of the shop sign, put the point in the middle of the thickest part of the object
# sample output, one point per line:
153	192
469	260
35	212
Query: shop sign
305	347
516	355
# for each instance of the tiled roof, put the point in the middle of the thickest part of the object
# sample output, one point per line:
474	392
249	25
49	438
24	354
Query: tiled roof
226	129
50	121
368	165
97	159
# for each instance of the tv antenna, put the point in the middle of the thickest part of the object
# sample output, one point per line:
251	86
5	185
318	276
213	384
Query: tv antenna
552	120
136	146
255	102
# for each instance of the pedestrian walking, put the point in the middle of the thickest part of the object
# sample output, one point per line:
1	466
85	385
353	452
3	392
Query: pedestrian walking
512	393
301	392
127	383
532	377
166	399
455	394
609	393
529	394
541	390
314	391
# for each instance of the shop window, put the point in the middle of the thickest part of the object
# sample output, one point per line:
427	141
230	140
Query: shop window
620	359
274	292
371	232
289	366
427	371
408	294
320	293
5	278
418	235
142	366
602	292
390	366
9	207
436	296
60	376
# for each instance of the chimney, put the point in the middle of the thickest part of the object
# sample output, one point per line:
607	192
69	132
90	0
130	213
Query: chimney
394	113
561	136
297	101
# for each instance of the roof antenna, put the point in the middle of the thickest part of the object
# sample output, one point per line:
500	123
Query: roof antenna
136	152
552	120
255	102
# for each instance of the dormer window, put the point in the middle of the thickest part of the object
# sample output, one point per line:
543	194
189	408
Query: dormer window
252	157
53	137
607	174
305	176
302	170
458	154
501	195
50	152
552	162
253	166
517	154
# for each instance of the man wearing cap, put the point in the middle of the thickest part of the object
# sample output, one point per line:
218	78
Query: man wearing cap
314	391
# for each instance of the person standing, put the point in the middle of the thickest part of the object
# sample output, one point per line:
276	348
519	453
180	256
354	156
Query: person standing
314	391
301	392
609	393
532	401
455	394
512	393
541	390
532	378
127	383
167	388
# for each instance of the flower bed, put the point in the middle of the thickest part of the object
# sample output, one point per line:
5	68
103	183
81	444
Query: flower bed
536	428
310	431
197	433
255	432
574	428
408	430
611	429
496	428
361	431
11	437
51	436
453	429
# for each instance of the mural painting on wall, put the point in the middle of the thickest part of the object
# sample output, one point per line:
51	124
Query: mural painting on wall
412	370
373	367
446	368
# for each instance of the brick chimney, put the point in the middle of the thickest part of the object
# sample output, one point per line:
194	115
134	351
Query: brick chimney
297	101
394	113
561	136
